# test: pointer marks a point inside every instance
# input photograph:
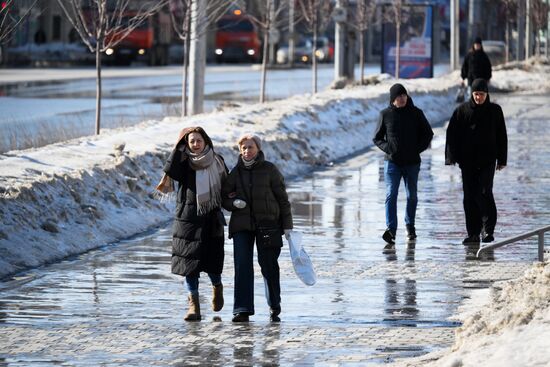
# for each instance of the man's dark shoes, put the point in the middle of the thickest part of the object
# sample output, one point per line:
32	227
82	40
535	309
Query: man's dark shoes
471	240
488	238
240	317
389	236
274	314
411	232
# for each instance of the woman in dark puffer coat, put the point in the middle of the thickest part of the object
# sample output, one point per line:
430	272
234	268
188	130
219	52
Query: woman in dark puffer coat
198	236
255	193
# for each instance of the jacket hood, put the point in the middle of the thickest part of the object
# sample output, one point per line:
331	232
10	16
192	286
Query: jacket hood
409	104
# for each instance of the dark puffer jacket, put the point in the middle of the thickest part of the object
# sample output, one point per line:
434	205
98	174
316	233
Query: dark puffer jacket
197	241
403	133
476	135
266	192
476	65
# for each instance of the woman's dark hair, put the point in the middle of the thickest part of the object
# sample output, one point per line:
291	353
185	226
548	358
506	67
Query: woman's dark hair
184	135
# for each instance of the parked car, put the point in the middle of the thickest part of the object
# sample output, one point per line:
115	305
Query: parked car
303	50
496	50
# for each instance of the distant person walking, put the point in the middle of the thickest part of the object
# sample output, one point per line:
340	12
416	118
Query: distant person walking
477	141
403	132
255	193
476	65
198	236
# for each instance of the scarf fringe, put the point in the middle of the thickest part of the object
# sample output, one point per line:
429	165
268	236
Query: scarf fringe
210	205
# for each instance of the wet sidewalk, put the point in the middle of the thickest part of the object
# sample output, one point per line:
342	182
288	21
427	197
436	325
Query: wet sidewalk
121	306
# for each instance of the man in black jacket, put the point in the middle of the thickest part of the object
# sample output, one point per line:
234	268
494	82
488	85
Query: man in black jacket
476	64
402	133
477	141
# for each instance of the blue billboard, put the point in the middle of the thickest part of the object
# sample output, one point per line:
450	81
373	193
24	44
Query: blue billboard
416	42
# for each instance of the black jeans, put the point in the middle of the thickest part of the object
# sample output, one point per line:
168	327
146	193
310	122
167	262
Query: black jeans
243	252
479	204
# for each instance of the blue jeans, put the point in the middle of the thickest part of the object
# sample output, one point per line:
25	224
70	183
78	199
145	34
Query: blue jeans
243	254
392	175
192	282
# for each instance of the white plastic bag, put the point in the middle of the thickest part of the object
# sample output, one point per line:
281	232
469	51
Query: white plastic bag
300	259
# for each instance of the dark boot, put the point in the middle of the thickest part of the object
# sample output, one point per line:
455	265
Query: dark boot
194	312
411	232
240	317
389	236
217	297
471	239
488	238
274	314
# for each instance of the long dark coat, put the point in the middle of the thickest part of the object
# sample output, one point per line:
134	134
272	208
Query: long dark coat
197	241
476	135
476	65
266	192
403	133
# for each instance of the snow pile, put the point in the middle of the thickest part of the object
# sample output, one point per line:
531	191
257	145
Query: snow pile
70	197
511	330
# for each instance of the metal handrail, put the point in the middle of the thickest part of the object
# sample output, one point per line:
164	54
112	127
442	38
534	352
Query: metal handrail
540	232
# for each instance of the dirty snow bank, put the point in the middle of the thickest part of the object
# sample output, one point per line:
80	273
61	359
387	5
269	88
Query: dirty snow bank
70	197
510	330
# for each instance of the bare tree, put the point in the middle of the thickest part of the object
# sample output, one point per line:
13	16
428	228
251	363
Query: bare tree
11	17
268	16
510	8
539	18
317	15
182	17
364	15
102	24
395	15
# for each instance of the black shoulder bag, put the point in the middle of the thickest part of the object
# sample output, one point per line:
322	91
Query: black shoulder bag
268	235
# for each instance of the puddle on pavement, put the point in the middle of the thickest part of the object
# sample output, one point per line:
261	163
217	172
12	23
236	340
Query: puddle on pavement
361	283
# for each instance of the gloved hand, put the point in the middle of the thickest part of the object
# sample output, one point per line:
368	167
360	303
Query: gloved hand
287	234
239	204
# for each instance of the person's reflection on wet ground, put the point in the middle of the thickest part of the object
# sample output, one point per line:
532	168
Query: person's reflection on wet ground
471	253
270	352
400	299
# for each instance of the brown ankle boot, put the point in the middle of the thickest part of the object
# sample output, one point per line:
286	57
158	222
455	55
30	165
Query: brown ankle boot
194	312
217	297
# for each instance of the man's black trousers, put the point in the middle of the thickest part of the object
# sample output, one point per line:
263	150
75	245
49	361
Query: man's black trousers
479	204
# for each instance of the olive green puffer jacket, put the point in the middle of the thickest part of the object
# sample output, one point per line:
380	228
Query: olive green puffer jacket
264	190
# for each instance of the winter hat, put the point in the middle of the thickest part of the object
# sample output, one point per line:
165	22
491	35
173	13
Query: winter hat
249	136
480	85
478	40
396	90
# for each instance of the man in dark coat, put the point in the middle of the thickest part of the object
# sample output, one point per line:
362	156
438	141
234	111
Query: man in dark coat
476	64
477	141
402	133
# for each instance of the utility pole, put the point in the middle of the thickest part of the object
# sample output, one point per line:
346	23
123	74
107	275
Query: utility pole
339	41
455	34
197	58
528	29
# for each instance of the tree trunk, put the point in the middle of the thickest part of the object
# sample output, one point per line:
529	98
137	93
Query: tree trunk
362	55
185	76
397	47
507	37
314	58
264	66
98	89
